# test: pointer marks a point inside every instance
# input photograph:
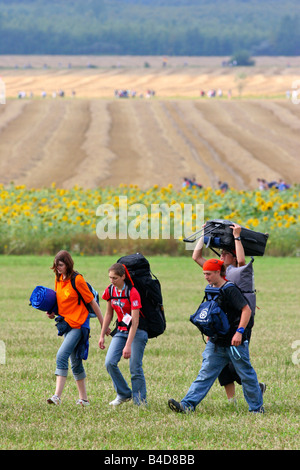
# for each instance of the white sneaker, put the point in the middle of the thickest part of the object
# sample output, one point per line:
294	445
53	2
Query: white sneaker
119	400
82	402
54	400
232	401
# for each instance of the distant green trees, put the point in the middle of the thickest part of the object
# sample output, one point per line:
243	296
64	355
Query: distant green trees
286	40
150	27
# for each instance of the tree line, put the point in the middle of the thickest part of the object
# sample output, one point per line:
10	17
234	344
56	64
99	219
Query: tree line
137	28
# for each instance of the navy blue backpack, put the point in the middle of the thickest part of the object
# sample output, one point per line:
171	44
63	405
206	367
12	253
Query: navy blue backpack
209	318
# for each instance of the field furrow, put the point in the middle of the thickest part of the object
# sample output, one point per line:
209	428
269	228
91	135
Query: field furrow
25	136
161	147
93	170
125	167
45	143
209	166
262	146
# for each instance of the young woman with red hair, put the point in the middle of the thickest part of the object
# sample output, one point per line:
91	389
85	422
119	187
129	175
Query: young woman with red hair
74	320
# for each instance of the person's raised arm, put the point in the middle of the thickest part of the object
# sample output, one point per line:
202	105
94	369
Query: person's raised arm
239	249
197	253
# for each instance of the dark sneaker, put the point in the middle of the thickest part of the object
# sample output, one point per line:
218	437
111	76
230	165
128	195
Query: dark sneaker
262	387
175	406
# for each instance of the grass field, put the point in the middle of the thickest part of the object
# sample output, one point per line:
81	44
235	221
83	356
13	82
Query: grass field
171	363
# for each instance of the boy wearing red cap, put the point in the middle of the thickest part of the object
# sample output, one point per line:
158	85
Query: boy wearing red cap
232	347
235	264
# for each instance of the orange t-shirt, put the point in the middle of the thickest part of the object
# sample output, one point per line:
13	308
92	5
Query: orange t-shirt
67	300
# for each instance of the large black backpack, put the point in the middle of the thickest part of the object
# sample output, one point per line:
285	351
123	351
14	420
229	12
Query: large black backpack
152	312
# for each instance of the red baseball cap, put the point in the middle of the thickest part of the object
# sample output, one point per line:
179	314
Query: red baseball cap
213	265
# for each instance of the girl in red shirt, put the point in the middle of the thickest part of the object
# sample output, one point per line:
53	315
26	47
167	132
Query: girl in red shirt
129	340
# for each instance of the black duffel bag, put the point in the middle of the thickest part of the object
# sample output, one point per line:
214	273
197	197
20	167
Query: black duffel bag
218	234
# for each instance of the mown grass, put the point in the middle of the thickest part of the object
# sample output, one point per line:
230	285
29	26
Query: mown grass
171	363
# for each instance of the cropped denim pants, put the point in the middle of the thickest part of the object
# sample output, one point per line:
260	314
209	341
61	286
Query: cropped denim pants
113	356
215	359
66	351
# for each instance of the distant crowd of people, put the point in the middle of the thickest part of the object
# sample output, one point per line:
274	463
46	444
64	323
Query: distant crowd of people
190	183
61	93
213	93
223	186
123	93
280	184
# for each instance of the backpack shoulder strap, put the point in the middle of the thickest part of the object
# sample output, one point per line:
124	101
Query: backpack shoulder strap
222	300
230	284
127	291
227	284
211	292
73	283
224	287
110	290
126	296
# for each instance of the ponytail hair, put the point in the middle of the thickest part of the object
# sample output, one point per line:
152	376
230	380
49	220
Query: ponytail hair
120	269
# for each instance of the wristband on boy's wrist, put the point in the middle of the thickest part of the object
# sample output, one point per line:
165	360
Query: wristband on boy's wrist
240	330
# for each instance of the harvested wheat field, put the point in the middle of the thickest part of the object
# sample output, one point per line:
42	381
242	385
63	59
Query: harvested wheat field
92	142
94	139
267	79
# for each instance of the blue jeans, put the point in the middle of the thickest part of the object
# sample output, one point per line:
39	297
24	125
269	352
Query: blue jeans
215	359
66	351
113	357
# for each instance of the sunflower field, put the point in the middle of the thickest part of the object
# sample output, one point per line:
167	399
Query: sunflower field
45	220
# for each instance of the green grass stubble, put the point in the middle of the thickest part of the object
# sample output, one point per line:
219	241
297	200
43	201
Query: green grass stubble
171	363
